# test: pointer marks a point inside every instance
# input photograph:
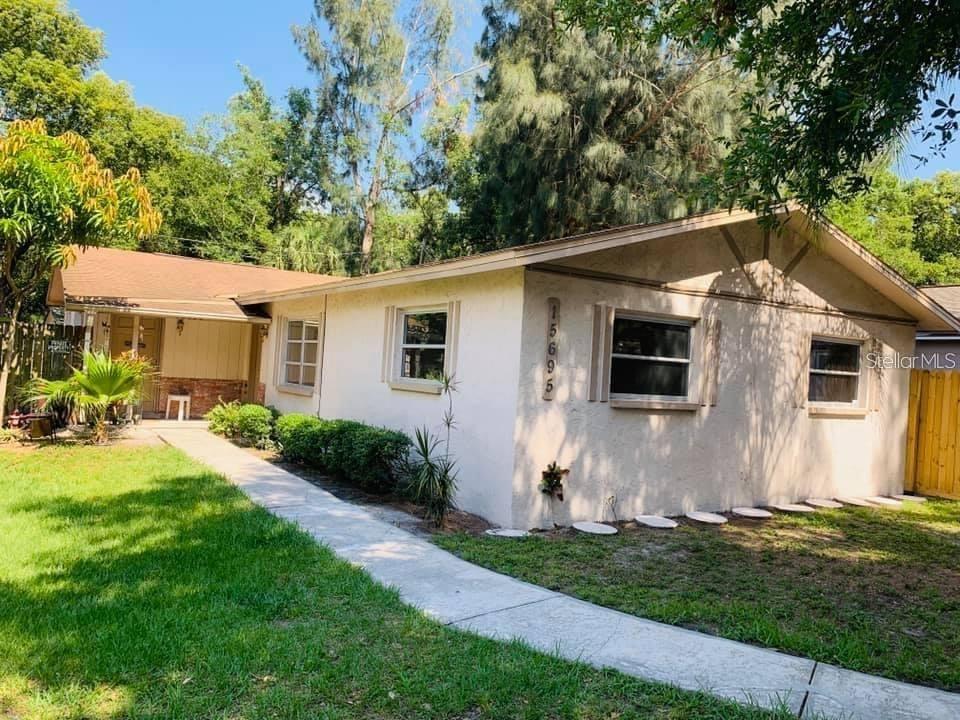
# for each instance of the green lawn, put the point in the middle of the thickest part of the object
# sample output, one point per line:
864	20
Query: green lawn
872	590
134	584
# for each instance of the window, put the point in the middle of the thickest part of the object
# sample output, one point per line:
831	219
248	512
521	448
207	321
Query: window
650	357
423	345
834	371
301	351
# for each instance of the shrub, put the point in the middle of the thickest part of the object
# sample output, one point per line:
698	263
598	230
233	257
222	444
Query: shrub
366	456
298	437
246	423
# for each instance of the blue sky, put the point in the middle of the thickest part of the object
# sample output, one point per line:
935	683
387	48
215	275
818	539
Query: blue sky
181	57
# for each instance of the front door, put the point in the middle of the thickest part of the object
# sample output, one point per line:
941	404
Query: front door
148	347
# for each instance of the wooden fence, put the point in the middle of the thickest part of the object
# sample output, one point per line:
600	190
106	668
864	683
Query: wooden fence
933	463
43	350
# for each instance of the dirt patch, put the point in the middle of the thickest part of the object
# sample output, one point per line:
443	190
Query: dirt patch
389	508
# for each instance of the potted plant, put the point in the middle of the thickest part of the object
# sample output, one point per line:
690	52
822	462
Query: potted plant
552	480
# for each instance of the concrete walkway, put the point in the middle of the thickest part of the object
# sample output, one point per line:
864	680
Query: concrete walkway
462	595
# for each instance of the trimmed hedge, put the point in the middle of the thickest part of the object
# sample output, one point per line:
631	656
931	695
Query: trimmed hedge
249	424
370	457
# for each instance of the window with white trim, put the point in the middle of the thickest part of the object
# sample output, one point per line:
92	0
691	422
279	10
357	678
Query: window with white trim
834	371
423	344
301	353
650	357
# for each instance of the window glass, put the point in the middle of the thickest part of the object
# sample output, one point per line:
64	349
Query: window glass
425	328
652	339
292	374
423	345
826	355
834	372
301	353
650	358
641	377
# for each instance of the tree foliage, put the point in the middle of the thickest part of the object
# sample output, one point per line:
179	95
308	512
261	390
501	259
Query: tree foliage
833	85
55	195
48	62
577	133
913	226
376	65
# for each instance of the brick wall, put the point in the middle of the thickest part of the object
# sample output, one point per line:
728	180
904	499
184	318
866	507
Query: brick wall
204	394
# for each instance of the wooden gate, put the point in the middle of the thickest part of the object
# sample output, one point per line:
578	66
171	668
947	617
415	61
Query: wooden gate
933	463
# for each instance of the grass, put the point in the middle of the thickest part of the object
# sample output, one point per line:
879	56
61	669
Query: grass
135	584
868	589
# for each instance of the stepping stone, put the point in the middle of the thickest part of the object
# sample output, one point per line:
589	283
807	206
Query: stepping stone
506	533
707	517
910	498
752	512
855	501
656	521
793	508
885	501
823	503
595	528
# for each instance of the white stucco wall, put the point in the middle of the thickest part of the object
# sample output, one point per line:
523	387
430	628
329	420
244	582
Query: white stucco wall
487	368
755	446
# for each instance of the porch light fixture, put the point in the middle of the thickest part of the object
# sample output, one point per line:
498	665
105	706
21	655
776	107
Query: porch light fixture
180	324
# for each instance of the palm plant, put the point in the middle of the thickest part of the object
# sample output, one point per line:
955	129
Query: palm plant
432	476
98	388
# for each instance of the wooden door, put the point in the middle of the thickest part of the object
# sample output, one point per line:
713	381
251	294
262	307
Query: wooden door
148	345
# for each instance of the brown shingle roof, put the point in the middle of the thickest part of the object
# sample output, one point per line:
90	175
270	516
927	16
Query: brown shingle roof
947	296
168	284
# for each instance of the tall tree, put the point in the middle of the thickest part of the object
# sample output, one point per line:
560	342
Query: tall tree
240	177
578	133
912	225
375	68
48	63
53	195
832	85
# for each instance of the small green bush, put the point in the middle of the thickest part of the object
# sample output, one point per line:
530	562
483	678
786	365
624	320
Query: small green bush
368	457
431	477
245	423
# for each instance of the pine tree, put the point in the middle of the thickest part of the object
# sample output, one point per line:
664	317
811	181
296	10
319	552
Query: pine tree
577	133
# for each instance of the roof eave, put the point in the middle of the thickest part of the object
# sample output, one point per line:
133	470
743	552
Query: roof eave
72	304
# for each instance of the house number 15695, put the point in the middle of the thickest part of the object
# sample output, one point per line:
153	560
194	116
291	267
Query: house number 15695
553	332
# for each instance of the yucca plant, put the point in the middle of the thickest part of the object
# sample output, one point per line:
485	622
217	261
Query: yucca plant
98	388
432	476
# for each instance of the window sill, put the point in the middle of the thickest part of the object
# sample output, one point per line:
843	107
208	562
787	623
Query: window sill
670	405
837	412
409	386
295	390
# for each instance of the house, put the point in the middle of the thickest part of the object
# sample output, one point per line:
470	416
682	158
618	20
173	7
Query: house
940	350
178	312
700	363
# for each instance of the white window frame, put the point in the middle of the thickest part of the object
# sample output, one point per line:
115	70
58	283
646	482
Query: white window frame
399	380
689	323
857	401
282	381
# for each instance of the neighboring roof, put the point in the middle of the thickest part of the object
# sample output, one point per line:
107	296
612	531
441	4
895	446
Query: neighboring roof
947	296
833	242
161	284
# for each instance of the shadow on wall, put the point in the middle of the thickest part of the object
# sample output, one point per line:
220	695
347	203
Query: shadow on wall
757	445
